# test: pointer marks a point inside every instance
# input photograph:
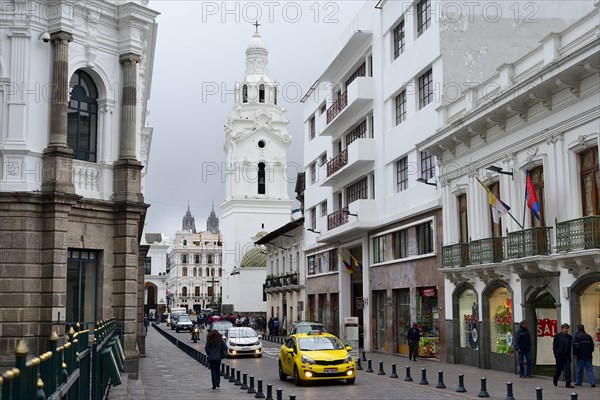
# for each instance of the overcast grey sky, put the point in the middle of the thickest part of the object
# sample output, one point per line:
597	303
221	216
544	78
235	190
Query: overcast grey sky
200	54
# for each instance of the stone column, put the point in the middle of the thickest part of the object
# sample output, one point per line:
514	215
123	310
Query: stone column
57	175
129	110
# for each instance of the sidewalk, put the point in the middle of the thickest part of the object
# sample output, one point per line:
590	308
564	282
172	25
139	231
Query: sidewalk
495	380
168	373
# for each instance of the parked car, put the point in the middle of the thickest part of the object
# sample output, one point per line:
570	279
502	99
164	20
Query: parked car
242	341
184	322
315	356
174	316
306	326
220	326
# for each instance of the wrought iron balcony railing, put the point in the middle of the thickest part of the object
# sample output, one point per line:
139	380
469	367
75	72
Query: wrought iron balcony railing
338	218
486	251
337	163
529	242
455	255
337	107
578	234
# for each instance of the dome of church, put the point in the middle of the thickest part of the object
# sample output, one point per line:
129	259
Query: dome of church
261	234
254	258
257	43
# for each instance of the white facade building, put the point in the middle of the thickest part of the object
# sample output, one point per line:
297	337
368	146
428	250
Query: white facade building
155	274
195	270
256	199
371	198
539	113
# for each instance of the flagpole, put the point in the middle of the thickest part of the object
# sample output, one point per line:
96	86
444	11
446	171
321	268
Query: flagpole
525	203
518	223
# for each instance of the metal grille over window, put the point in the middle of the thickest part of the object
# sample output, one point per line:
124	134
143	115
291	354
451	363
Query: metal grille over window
357	191
357	133
399	39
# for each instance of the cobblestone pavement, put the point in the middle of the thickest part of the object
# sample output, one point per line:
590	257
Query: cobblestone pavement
167	372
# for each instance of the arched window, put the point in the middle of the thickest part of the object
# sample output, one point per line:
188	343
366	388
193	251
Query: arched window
184	271
184	242
212	272
207	272
261	94
195	271
82	117
275	96
261	178
197	259
220	272
209	258
184	291
199	271
184	258
245	94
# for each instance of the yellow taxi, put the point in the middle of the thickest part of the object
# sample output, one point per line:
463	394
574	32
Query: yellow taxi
315	356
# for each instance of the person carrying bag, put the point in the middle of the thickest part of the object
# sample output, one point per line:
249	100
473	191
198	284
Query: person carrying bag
216	350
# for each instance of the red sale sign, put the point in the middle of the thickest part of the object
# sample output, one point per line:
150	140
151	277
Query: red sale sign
547	327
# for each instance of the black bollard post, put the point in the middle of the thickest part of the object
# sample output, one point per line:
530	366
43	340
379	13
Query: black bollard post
226	376
483	391
394	374
279	394
509	391
251	389
358	365
440	384
259	391
222	370
269	392
461	384
292	397
574	396
244	382
538	393
363	356
232	377
381	372
424	377
238	381
369	368
408	378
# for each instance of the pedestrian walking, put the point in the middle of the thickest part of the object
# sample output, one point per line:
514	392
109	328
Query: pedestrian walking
561	346
271	326
146	323
523	348
216	350
583	347
413	336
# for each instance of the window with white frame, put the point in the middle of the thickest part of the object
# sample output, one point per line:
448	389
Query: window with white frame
401	107
313	218
378	249
423	16
313	173
427	165
425	238
324	208
400	240
312	129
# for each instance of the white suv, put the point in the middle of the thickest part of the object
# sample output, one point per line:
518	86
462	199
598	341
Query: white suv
242	341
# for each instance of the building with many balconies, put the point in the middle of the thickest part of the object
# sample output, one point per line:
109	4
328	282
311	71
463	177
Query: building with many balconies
538	114
373	208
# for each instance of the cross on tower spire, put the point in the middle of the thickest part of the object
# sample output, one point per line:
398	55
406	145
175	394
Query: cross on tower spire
256	24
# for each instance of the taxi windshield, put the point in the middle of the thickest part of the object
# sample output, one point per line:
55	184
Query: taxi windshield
319	343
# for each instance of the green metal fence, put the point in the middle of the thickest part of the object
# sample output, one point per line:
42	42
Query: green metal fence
79	369
486	251
578	234
529	242
455	255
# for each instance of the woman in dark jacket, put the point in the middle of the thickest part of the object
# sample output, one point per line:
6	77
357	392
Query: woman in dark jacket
216	349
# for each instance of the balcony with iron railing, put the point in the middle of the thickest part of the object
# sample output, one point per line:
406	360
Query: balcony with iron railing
282	283
350	163
571	236
337	218
578	234
529	242
349	108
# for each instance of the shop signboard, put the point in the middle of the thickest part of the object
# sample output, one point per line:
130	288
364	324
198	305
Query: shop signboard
547	327
429	292
351	329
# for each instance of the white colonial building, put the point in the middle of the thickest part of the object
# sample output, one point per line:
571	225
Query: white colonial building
539	114
256	199
194	266
75	79
371	196
155	274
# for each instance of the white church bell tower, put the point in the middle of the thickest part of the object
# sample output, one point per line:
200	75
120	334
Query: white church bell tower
256	199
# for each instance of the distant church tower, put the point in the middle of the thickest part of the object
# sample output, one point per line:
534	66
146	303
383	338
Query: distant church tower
212	223
256	194
188	223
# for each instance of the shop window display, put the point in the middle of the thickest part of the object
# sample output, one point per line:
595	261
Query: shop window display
501	321
590	317
468	311
428	322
